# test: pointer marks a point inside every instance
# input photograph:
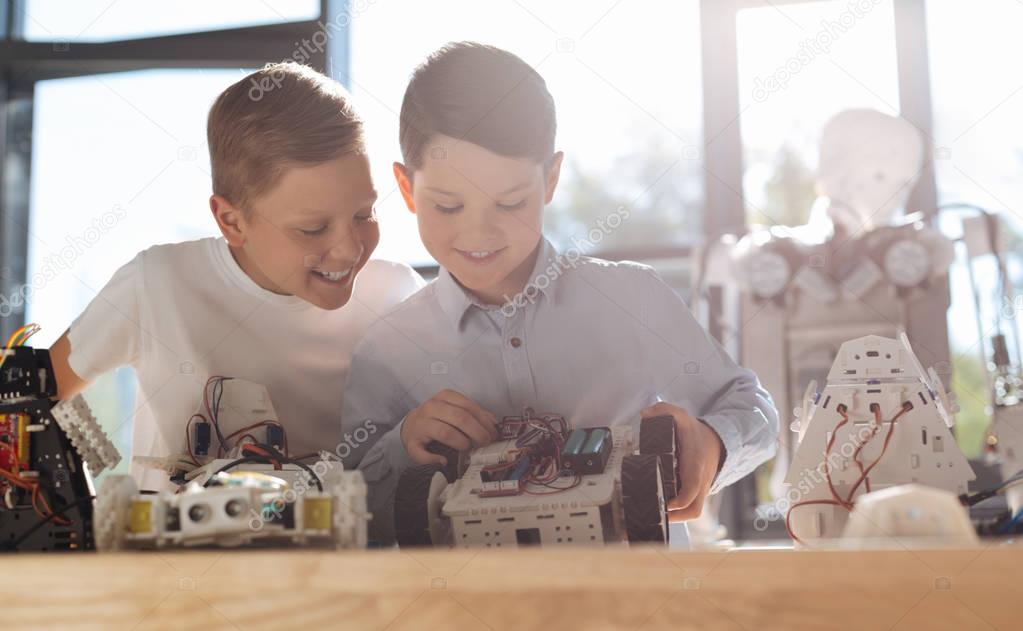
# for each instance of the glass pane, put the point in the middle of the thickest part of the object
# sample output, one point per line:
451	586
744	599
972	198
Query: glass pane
103	20
799	65
977	87
629	140
116	167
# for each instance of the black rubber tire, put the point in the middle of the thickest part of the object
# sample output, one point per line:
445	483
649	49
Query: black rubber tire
646	519
412	506
659	435
451	469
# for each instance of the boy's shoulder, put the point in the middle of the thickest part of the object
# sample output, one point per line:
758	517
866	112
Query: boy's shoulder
610	276
413	318
172	253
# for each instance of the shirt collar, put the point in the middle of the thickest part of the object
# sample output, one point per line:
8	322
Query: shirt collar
455	301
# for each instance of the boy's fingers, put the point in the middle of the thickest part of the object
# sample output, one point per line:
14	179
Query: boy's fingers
659	409
678	512
442	431
486	420
417	451
464	421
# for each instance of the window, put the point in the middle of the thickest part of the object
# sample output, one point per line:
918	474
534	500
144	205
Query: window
630	126
104	20
799	65
116	167
978	141
117	146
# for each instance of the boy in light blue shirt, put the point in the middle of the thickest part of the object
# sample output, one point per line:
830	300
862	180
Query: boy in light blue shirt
511	323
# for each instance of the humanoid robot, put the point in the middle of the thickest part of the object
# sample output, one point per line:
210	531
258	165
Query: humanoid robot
880	422
861	266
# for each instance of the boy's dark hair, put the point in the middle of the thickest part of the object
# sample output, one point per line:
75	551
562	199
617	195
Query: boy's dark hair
282	116
480	94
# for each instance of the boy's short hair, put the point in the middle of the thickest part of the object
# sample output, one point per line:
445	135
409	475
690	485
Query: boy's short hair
282	116
481	94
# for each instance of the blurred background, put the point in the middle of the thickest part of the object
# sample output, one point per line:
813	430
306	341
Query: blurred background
703	118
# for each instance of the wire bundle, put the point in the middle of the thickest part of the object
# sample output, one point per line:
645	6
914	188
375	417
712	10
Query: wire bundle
541	439
847	501
18	338
212	416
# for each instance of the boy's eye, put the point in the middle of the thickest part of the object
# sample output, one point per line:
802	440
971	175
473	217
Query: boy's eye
514	206
314	232
366	216
448	209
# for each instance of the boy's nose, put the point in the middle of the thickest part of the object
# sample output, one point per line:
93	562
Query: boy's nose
347	250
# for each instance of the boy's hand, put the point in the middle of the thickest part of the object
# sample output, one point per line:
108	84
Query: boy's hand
700	452
450	418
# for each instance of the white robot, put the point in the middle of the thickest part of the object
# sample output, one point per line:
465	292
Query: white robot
544	485
245	508
861	266
880	422
240	486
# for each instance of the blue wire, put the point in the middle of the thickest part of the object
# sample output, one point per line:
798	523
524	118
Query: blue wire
1011	524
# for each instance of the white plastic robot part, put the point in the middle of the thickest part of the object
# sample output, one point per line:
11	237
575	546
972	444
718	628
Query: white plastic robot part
909	515
868	163
110	518
88	438
351	515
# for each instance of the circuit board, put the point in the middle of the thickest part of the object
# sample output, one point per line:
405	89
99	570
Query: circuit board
574	510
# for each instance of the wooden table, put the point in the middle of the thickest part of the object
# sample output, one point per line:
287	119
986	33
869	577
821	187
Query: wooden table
518	590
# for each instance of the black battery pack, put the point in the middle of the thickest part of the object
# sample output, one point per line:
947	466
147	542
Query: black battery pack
586	451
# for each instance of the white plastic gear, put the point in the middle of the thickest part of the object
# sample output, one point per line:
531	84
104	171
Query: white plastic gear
110	518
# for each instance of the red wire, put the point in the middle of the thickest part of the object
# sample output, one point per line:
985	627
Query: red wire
847	502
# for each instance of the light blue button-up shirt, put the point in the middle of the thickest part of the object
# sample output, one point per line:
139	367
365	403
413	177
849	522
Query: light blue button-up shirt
591	340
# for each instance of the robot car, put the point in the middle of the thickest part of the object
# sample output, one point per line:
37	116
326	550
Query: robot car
542	483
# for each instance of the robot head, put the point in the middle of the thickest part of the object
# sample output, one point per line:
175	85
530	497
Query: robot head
873	357
869	162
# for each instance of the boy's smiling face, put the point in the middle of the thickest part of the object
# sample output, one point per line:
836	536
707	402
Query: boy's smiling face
480	214
310	234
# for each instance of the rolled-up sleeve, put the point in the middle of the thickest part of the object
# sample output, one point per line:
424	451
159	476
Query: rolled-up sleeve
693	371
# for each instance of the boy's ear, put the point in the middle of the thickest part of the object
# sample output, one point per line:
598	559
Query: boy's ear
401	174
229	220
553	175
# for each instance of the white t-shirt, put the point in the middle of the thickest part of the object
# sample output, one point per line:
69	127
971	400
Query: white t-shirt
183	312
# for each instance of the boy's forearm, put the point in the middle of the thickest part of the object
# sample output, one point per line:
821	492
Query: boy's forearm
381	467
68	382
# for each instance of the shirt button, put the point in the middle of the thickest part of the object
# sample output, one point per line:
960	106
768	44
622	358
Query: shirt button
516	342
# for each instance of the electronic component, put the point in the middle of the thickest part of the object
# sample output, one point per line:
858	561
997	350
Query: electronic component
251	504
588	456
26	374
518	491
505	480
14	444
47	498
203	438
275	436
511	428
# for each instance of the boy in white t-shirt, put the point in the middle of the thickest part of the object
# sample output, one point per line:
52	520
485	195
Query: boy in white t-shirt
294	201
